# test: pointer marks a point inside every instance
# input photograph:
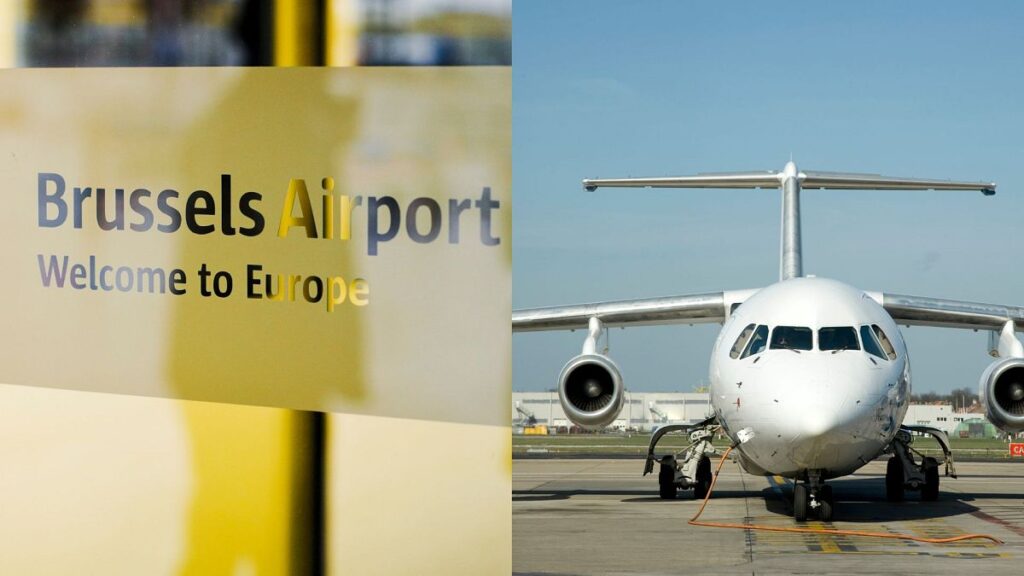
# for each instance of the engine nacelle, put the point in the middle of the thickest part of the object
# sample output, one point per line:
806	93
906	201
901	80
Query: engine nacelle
590	390
1002	394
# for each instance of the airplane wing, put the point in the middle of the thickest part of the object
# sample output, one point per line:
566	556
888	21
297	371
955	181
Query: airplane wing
690	309
922	311
715	307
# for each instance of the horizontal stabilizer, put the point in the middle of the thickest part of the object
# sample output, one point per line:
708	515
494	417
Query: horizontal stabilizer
764	179
808	179
845	181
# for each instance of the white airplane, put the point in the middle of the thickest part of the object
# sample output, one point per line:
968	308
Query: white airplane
810	377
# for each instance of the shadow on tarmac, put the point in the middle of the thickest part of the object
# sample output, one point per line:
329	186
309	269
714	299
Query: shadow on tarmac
863	500
857	500
645	495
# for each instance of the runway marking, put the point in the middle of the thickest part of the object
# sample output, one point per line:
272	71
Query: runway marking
842	544
940	528
584	470
999	522
777	482
960	555
768	504
929	528
824	542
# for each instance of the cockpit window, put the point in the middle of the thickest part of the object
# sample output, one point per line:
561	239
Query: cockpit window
838	338
741	341
757	342
871	345
884	341
791	337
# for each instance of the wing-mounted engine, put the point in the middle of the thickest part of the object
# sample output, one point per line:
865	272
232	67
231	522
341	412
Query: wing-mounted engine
1002	383
590	388
590	385
1002	394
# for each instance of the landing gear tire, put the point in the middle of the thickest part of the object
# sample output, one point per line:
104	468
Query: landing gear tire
930	490
667	482
825	502
894	480
703	485
800	502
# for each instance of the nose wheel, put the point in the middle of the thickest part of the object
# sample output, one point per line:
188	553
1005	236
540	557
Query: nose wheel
800	502
825	504
812	497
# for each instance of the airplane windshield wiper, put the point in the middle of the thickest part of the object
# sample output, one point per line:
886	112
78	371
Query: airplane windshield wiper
840	349
794	350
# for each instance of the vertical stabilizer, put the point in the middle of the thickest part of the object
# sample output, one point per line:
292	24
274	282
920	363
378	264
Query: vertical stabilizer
791	252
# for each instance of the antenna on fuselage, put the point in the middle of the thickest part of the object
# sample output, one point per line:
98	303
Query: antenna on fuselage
791	181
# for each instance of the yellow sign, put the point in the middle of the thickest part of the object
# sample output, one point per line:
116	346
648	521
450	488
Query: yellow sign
320	239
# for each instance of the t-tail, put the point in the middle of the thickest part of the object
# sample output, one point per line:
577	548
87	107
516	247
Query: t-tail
790	181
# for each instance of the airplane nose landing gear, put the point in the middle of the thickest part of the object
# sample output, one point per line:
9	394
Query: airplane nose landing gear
812	495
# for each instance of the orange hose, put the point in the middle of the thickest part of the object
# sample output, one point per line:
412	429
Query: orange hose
694	522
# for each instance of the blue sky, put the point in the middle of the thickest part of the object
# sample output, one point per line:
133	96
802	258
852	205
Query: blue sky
610	88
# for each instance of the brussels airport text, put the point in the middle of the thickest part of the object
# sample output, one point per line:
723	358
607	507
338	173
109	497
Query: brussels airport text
337	218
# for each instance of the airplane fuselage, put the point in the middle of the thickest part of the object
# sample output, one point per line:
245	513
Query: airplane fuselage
817	371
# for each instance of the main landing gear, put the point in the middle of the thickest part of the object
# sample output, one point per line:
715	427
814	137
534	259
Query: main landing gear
812	496
690	468
904	473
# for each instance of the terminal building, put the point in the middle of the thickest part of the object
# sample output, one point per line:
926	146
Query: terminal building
641	411
644	411
939	416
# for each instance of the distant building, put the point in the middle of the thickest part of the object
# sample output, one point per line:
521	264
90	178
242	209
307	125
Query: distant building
975	426
641	411
939	416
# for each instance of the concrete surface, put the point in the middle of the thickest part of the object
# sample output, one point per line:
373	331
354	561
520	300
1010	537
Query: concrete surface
602	517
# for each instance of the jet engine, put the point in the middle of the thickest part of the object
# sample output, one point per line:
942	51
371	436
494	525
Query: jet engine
1002	394
590	389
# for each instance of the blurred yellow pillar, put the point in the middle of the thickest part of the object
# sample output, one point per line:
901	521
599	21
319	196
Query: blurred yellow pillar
250	510
12	14
295	33
121	485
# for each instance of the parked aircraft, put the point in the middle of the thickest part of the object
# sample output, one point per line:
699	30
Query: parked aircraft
810	377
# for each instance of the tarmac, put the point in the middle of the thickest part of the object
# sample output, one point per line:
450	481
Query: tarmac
588	516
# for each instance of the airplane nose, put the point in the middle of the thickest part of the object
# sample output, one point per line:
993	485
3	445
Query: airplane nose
822	420
818	422
823	431
823	416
